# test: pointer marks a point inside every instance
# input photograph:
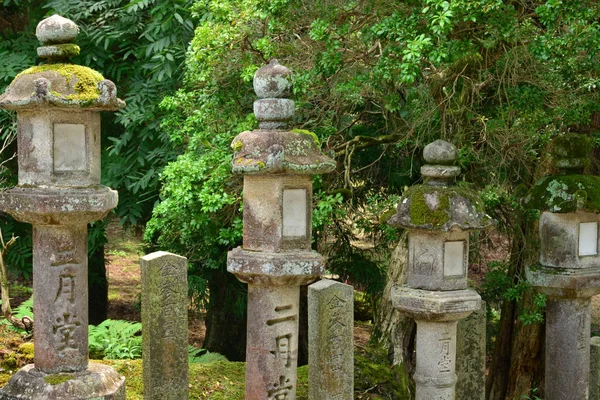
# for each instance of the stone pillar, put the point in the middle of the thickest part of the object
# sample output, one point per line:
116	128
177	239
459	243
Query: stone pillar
330	341
165	326
595	368
60	298
569	265
470	356
59	193
276	257
438	217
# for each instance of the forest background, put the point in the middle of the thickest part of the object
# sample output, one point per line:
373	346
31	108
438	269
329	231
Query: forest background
375	80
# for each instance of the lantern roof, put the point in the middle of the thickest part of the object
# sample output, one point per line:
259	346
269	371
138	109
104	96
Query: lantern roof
437	204
273	148
570	190
58	83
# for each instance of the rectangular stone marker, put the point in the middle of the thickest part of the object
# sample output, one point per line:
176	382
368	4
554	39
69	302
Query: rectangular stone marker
330	341
470	356
165	326
595	368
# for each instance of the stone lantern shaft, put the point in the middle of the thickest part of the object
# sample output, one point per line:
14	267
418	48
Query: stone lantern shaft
276	256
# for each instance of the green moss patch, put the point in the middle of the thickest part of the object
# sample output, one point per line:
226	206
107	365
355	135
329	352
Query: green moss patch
566	193
86	85
57	379
422	215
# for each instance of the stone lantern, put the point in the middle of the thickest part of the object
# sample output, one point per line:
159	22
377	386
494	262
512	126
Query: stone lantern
58	108
439	217
276	256
569	264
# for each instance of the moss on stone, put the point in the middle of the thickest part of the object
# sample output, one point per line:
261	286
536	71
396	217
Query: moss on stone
571	145
57	379
86	85
237	145
566	193
313	135
68	49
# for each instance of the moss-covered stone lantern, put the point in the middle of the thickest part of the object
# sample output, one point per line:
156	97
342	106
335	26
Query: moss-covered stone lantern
58	108
438	217
569	263
276	256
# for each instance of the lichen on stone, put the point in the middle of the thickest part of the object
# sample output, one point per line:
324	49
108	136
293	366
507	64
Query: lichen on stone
86	85
566	193
313	135
57	379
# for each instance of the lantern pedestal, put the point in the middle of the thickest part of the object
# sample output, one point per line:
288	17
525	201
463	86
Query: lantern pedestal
98	381
568	319
436	314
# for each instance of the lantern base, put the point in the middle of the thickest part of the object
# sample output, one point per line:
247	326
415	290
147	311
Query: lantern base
565	282
99	382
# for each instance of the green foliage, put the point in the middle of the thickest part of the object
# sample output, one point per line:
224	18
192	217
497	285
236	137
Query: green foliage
140	45
115	339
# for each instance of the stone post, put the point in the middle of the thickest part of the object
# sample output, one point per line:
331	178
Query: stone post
438	217
165	326
470	356
276	256
330	341
59	193
569	266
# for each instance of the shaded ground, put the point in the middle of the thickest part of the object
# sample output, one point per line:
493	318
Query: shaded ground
123	252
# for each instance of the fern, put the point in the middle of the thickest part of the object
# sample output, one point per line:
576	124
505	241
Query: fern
115	339
25	309
203	356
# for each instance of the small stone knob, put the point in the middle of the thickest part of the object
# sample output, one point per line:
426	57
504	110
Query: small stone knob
440	156
272	85
272	81
56	30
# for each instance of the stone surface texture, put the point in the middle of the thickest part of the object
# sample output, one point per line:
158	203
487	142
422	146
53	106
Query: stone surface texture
426	260
470	356
330	341
164	326
567	348
595	368
56	29
559	240
98	382
272	342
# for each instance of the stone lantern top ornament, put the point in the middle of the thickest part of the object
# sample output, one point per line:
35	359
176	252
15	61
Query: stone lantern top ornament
570	190
57	83
273	148
438	205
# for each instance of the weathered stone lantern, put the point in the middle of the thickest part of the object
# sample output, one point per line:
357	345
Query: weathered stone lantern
569	269
58	115
438	217
276	257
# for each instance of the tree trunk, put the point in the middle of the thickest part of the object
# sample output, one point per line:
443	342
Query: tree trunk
517	361
97	287
225	329
395	331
